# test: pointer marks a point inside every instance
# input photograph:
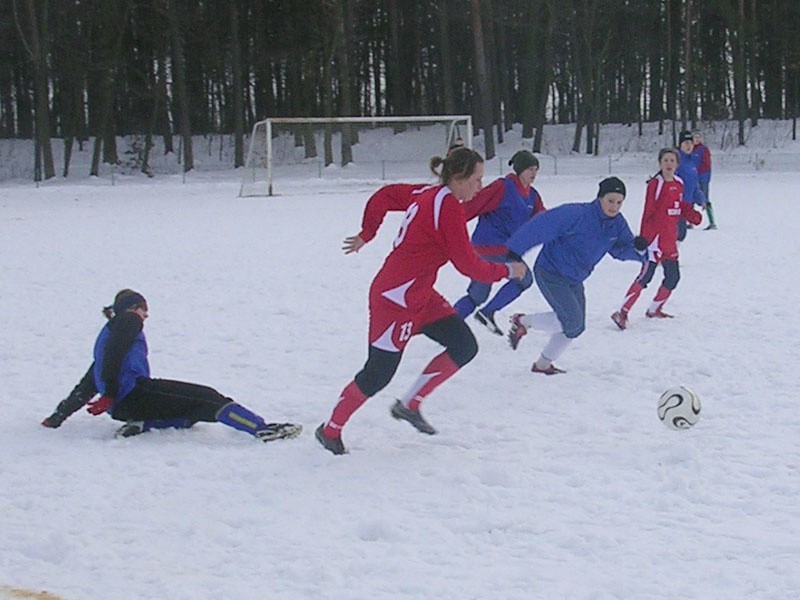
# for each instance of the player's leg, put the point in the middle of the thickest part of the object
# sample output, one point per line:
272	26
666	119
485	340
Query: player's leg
672	276
632	295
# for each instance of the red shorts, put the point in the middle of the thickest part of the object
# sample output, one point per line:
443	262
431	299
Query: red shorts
391	325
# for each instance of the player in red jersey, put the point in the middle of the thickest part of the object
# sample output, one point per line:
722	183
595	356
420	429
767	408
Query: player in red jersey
663	206
402	300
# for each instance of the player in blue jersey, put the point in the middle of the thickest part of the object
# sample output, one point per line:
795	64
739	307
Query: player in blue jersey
121	375
574	238
501	207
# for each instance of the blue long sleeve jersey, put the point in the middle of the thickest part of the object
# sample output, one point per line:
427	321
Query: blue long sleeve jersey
687	171
574	238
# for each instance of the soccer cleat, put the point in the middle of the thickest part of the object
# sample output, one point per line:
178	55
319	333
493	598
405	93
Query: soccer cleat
333	445
517	330
620	318
710	228
278	431
551	370
658	314
400	412
130	429
487	320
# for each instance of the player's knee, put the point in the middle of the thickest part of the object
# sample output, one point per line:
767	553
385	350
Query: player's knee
377	372
672	276
526	281
463	352
479	292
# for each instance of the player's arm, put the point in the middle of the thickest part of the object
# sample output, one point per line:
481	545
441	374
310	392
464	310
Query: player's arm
389	198
461	252
485	201
689	213
649	217
78	397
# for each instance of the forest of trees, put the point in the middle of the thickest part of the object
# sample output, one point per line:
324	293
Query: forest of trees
95	69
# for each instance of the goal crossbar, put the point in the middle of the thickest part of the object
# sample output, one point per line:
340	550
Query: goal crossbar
453	120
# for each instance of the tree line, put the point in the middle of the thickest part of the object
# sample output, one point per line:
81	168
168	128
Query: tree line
96	69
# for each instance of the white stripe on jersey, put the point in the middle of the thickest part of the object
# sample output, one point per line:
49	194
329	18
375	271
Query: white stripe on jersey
385	341
437	205
398	294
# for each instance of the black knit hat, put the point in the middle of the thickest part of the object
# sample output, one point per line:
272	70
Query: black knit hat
523	159
126	299
685	135
611	184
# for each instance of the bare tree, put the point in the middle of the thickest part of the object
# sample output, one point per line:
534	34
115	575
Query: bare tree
483	83
34	44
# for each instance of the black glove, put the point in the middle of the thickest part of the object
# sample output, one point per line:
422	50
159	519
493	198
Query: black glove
55	420
640	243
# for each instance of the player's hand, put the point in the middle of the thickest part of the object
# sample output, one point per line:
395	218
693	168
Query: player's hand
99	406
516	270
640	243
351	244
55	420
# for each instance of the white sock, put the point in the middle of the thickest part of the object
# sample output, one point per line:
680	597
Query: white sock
554	348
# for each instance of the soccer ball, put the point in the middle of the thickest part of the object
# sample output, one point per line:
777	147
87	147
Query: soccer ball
679	408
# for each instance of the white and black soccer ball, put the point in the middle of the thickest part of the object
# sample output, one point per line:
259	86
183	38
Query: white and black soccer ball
679	408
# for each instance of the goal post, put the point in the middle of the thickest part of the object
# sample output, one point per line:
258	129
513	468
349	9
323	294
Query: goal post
292	144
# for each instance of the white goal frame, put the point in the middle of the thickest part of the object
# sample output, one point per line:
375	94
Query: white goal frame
454	120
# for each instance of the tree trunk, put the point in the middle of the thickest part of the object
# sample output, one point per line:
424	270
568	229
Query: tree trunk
179	78
447	61
238	88
37	52
483	85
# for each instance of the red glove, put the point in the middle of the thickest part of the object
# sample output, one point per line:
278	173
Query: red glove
99	406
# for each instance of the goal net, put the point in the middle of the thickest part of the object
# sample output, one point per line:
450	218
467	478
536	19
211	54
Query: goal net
392	148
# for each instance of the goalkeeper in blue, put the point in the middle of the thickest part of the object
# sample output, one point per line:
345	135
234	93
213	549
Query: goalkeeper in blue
120	374
574	238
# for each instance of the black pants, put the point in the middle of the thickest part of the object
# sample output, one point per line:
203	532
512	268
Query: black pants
451	332
160	399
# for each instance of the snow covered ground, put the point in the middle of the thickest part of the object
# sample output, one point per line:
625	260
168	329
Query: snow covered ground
535	487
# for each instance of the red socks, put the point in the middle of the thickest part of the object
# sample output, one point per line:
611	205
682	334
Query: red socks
350	401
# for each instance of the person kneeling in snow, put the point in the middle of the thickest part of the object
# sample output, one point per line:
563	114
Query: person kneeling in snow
121	375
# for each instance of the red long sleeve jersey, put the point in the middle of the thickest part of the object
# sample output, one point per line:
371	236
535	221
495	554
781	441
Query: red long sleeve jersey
663	206
433	232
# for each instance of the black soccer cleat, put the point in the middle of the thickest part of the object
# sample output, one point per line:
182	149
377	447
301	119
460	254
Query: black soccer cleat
278	431
487	320
333	445
400	412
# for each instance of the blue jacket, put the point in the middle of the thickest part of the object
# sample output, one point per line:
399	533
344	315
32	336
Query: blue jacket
514	209
120	356
687	171
575	238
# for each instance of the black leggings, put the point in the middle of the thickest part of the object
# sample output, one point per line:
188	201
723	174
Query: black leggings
451	332
160	399
672	274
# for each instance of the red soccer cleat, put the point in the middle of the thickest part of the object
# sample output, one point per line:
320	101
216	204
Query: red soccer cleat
517	330
658	314
620	318
551	370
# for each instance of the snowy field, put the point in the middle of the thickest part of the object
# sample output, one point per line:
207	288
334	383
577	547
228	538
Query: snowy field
535	487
